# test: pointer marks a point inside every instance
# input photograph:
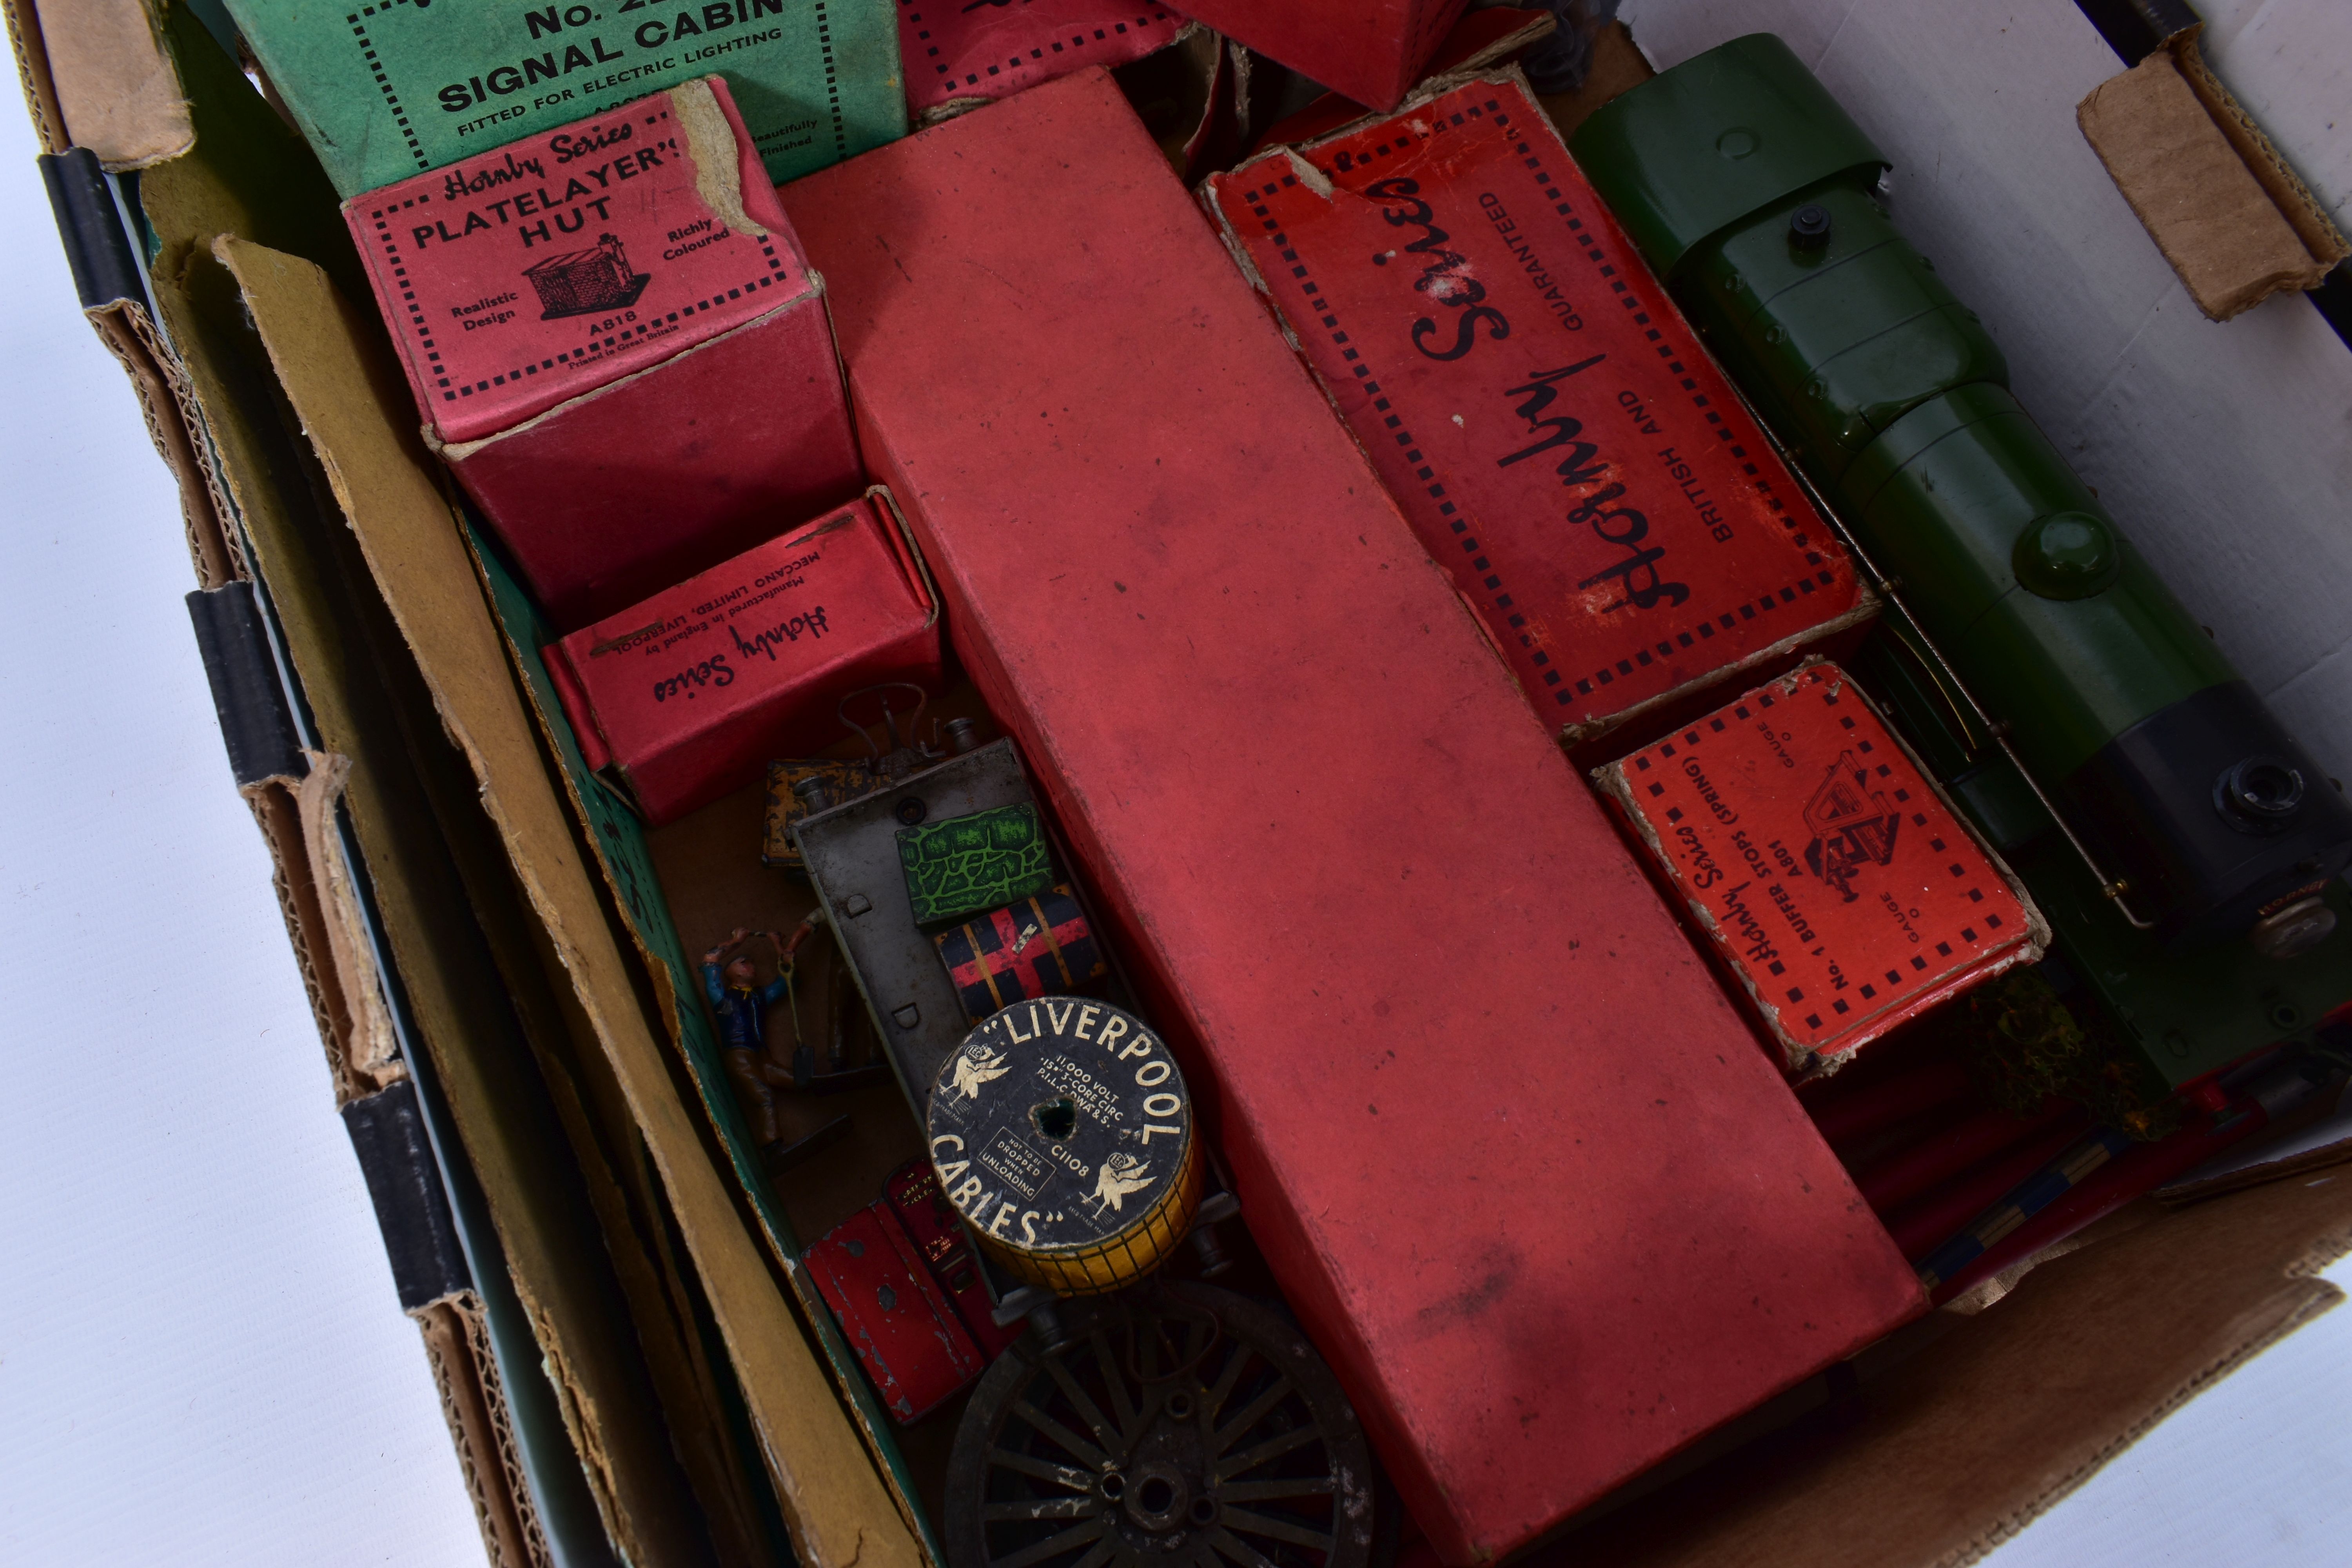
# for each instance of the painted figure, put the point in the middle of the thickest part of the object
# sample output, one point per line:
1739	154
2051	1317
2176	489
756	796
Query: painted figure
738	1006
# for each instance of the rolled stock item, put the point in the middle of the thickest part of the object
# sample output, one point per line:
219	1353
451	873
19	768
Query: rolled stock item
1920	1225
1862	1111
2099	1175
1892	1182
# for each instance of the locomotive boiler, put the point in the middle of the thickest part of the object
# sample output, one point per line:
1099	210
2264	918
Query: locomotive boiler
2188	850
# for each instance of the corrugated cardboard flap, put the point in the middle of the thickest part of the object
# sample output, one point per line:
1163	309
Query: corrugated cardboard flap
1957	1450
355	411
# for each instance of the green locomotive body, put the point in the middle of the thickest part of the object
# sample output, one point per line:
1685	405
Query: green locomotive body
2028	633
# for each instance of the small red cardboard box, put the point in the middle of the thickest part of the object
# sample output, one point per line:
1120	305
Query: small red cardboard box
1548	422
617	345
1827	870
906	1336
1371	50
686	695
1280	747
959	56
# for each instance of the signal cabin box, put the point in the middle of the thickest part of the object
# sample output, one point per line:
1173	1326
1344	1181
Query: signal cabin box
960	56
617	345
1542	413
686	695
389	91
1695	1246
1830	876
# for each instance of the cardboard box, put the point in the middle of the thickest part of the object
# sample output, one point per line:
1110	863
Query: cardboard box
1530	1325
386	92
687	695
1540	409
1372	52
1831	876
617	346
1943	1443
961	56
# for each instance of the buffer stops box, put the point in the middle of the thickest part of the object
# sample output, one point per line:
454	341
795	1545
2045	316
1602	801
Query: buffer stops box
1834	881
617	346
686	695
386	91
960	56
1543	414
1254	575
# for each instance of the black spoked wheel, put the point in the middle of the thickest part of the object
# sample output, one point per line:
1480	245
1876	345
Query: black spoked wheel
1181	1425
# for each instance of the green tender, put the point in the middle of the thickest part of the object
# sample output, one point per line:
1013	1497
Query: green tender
1862	360
394	89
960	865
1895	401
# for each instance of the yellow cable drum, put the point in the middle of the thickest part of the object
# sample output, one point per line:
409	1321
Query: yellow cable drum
1061	1132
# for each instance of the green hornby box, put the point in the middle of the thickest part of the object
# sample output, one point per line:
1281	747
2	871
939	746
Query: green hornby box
388	90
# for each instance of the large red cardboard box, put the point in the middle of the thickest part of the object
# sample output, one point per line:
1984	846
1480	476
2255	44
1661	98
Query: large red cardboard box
688	694
1371	50
1840	889
1542	413
617	345
1524	1173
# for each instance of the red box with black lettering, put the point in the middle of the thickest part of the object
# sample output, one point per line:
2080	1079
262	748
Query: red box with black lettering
1545	417
1371	50
1541	1202
616	345
959	56
687	695
1833	878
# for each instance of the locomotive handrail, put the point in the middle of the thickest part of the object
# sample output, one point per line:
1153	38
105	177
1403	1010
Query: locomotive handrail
1890	588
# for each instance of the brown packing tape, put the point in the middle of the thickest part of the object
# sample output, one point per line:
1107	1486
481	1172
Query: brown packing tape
116	89
357	413
2214	220
473	1401
1957	1450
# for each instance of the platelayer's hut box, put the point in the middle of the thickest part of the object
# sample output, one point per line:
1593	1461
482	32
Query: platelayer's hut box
686	695
1371	50
960	56
1830	875
616	345
1509	1372
1542	413
391	89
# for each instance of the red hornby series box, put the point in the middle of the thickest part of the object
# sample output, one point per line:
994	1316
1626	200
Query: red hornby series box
688	694
1372	50
1562	445
1831	876
617	345
1278	746
959	55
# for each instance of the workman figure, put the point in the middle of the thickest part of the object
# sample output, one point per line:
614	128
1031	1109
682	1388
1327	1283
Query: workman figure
740	1007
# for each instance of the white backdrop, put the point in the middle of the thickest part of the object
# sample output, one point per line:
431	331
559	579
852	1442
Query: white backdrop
201	1357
